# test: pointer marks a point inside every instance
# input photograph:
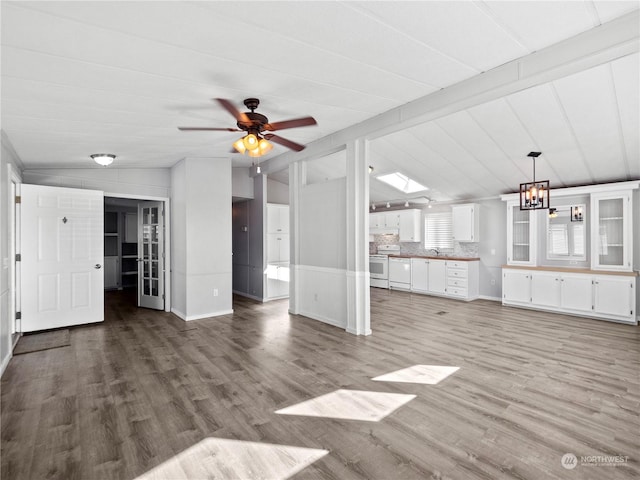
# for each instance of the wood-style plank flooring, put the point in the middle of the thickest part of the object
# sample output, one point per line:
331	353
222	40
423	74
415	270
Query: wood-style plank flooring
130	395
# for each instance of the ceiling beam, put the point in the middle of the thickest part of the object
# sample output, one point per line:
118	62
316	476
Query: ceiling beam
603	44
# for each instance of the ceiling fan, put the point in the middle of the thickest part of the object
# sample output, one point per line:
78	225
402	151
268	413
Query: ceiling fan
255	142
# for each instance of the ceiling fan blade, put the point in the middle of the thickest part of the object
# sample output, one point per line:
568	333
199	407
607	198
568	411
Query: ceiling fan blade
209	129
296	122
229	107
283	141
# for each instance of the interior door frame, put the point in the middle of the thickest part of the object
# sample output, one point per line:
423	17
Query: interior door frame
15	178
167	238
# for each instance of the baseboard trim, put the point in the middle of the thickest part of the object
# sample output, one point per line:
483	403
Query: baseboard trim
487	297
5	362
188	318
323	319
354	332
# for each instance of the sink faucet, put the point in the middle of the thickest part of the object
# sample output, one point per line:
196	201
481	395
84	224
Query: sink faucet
436	250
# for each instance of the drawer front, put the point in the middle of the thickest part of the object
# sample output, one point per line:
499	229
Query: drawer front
457	282
460	265
457	273
457	292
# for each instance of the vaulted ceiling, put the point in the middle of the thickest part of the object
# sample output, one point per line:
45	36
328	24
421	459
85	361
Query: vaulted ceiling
86	77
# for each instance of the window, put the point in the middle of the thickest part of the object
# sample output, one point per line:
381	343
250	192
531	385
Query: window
402	182
438	230
565	238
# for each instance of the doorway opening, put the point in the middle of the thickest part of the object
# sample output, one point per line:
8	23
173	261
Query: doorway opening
136	250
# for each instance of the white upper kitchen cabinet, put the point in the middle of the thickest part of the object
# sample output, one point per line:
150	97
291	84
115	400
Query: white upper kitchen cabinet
466	222
410	225
521	235
611	231
376	220
392	219
277	218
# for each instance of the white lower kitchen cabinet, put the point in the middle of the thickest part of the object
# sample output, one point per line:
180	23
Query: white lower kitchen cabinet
516	286
590	294
577	292
437	276
457	279
419	275
614	296
545	288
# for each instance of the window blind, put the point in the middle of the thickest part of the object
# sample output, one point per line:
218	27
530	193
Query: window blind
438	230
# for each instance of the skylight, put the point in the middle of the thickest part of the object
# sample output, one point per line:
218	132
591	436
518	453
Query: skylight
402	182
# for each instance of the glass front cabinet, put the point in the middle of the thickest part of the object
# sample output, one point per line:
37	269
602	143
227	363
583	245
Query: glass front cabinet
611	233
521	247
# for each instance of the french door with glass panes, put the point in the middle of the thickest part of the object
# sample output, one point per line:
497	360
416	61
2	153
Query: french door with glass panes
151	255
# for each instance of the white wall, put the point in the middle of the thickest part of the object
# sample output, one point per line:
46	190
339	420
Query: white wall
321	269
242	183
7	157
202	265
152	182
277	192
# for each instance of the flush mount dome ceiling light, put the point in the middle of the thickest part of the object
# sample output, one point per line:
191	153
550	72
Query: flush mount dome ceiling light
104	159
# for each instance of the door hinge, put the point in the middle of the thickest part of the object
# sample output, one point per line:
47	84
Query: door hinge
18	315
592	307
18	257
18	199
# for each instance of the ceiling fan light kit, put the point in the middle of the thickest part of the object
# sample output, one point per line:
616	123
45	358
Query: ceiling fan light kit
256	143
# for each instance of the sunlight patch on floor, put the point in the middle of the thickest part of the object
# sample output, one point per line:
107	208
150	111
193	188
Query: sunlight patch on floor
225	459
425	374
350	405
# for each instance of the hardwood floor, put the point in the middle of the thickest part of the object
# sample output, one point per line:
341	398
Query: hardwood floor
145	391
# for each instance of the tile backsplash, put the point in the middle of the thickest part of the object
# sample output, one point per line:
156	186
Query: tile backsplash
417	248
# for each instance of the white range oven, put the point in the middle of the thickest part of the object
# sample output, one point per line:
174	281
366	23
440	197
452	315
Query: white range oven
379	265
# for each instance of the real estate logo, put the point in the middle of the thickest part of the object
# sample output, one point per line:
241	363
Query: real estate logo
569	461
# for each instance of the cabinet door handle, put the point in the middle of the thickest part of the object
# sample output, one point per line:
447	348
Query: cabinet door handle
97	266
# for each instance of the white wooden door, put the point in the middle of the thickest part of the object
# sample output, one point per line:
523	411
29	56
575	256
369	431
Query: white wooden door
462	221
613	295
419	274
577	292
437	281
545	289
516	286
151	255
62	281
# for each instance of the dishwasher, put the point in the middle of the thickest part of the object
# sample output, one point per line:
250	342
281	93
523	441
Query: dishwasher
400	273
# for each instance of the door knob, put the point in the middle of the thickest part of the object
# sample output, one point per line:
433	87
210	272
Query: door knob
97	266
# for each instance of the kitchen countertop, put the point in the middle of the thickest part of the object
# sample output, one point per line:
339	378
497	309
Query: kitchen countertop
571	270
441	257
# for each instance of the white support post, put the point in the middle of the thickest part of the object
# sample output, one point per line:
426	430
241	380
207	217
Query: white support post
297	179
358	301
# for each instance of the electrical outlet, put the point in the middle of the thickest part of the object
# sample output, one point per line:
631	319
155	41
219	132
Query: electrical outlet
493	251
215	292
